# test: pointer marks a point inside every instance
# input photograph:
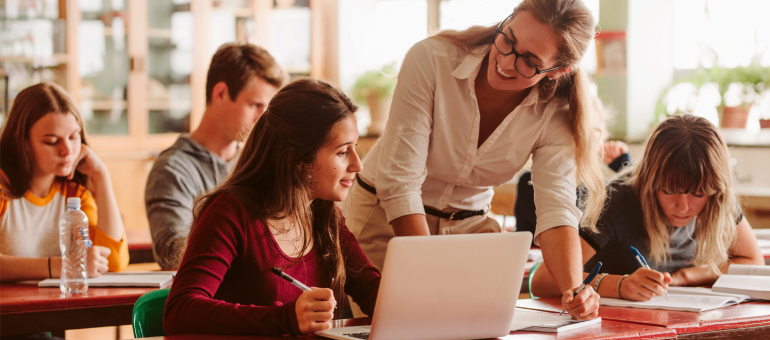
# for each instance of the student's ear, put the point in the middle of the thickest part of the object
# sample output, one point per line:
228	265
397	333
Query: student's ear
220	92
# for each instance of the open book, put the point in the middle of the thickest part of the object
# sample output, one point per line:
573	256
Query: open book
153	279
683	303
753	281
705	291
532	321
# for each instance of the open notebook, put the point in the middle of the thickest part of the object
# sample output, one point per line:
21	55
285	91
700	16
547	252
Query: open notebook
753	281
154	279
677	302
532	321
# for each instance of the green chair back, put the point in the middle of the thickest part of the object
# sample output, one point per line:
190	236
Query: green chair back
529	280
147	317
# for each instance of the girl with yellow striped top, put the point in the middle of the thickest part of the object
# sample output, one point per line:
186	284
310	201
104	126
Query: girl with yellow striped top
45	160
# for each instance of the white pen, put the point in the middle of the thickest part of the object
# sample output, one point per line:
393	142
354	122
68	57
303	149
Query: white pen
291	280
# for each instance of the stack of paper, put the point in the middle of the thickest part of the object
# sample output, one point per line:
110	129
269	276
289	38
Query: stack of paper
154	279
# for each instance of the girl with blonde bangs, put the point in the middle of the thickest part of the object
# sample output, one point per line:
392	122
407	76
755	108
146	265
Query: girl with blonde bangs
677	206
470	108
698	166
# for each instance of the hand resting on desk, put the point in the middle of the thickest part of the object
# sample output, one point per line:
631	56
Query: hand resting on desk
96	259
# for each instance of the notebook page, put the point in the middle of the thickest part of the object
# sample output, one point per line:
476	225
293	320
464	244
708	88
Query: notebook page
684	303
528	320
523	318
157	280
745	269
704	291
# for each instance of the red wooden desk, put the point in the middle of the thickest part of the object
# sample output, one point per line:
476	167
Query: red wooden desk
605	330
25	308
139	245
751	318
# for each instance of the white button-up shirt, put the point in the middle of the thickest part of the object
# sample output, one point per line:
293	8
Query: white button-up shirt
428	154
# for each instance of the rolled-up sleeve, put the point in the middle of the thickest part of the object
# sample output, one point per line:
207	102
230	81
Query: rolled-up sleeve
406	140
553	177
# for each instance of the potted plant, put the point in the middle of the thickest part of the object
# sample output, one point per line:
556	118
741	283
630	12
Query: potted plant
739	87
375	90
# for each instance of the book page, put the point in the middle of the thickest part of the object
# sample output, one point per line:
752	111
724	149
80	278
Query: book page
704	291
684	303
757	287
745	269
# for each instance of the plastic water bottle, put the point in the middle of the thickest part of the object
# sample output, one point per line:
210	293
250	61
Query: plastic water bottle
73	242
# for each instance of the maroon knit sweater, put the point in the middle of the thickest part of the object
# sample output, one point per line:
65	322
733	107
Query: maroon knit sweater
224	284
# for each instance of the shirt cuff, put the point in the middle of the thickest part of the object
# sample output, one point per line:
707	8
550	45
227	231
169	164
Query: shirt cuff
289	311
552	221
118	258
402	206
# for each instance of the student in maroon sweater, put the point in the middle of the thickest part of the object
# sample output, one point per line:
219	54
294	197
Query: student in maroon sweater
277	210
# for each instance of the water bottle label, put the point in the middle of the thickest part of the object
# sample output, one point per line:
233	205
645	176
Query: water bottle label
86	239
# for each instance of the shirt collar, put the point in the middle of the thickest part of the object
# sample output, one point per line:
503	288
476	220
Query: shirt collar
469	69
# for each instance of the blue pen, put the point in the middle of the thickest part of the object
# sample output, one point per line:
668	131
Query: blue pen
643	262
588	280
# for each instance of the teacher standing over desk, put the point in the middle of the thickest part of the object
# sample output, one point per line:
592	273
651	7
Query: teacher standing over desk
469	109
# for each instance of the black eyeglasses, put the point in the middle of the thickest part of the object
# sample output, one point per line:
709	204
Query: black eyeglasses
525	67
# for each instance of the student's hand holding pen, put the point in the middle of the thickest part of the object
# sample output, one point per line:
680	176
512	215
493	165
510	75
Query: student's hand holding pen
315	310
583	306
644	284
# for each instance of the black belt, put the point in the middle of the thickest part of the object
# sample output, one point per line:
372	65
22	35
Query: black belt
452	216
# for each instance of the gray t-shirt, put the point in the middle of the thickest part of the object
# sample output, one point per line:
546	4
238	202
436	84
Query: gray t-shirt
181	173
621	226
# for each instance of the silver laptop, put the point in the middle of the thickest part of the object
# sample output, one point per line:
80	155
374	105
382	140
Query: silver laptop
446	287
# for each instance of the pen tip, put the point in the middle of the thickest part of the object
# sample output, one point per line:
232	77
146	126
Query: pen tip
276	271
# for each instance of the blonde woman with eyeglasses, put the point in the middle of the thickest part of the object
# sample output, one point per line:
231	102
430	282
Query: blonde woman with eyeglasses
469	110
678	207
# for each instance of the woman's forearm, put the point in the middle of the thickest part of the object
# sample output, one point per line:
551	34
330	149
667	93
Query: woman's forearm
107	210
15	268
562	255
702	275
410	225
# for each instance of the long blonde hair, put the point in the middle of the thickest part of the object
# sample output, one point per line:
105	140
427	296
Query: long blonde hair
572	22
687	154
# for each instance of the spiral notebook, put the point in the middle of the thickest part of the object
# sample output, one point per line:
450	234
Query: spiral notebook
154	279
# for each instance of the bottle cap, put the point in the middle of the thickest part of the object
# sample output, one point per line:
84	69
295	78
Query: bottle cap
73	201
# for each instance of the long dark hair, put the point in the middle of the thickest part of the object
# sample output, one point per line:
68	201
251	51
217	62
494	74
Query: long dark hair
272	175
16	159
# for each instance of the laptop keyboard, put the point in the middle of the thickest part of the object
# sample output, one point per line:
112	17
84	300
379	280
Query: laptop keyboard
364	335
